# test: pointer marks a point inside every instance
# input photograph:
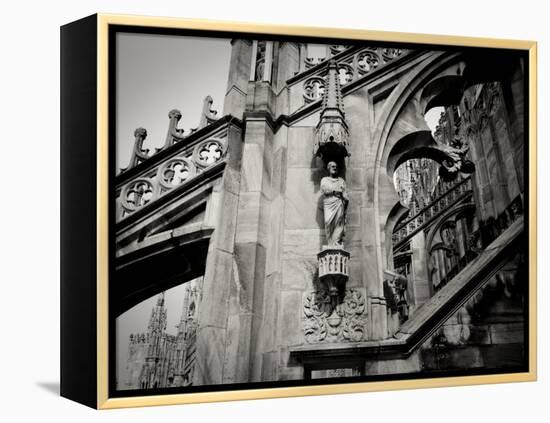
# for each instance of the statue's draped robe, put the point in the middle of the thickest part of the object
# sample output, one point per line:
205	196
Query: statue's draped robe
334	209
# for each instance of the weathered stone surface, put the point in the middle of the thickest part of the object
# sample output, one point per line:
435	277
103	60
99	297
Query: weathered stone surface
270	368
507	333
275	232
421	283
265	212
226	222
291	309
303	199
300	148
248	218
356	179
239	71
355	274
252	170
452	358
250	267
210	346
302	243
237	357
270	315
300	273
216	286
388	367
278	179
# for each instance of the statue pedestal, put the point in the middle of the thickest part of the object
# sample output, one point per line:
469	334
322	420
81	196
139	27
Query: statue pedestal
334	270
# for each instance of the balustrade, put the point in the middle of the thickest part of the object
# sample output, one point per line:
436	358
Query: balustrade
350	68
168	175
481	238
448	194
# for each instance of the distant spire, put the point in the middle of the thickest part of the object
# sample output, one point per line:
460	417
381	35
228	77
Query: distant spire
186	292
157	321
160	299
332	132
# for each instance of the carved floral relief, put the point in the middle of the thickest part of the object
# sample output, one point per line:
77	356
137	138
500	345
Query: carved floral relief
345	322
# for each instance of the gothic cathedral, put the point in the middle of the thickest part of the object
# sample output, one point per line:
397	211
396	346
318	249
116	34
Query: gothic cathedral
323	230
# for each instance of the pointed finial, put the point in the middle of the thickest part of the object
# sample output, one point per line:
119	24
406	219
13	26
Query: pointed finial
174	134
332	133
332	97
208	115
139	154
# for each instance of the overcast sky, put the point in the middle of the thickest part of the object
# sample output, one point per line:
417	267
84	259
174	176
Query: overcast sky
158	73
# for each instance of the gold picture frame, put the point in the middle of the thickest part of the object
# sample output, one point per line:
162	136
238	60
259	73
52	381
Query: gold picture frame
97	395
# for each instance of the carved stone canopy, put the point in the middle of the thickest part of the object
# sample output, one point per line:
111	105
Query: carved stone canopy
332	132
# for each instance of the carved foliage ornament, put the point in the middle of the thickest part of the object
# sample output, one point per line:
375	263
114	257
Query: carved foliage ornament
314	88
367	61
390	54
345	73
346	322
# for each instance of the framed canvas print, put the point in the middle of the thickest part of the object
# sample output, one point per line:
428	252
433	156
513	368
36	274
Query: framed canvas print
257	211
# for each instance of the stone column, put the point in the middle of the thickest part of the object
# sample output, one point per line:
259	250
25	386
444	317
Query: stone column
420	278
246	295
268	61
239	73
212	330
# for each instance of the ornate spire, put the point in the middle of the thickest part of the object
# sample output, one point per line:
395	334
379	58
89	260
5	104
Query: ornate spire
332	132
332	98
157	321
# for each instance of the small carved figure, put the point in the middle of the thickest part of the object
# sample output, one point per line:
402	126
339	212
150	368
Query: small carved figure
456	160
335	204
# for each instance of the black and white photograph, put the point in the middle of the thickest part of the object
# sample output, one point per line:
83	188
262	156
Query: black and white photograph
295	211
275	212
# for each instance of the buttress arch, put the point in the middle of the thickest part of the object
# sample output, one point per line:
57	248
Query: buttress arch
401	132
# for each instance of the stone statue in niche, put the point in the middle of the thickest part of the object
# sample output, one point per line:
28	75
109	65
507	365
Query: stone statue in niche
335	204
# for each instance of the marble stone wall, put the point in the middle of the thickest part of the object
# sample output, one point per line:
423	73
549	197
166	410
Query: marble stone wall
262	260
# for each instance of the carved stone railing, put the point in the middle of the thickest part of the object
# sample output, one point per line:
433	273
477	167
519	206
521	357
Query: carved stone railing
156	180
351	66
173	136
485	235
455	192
